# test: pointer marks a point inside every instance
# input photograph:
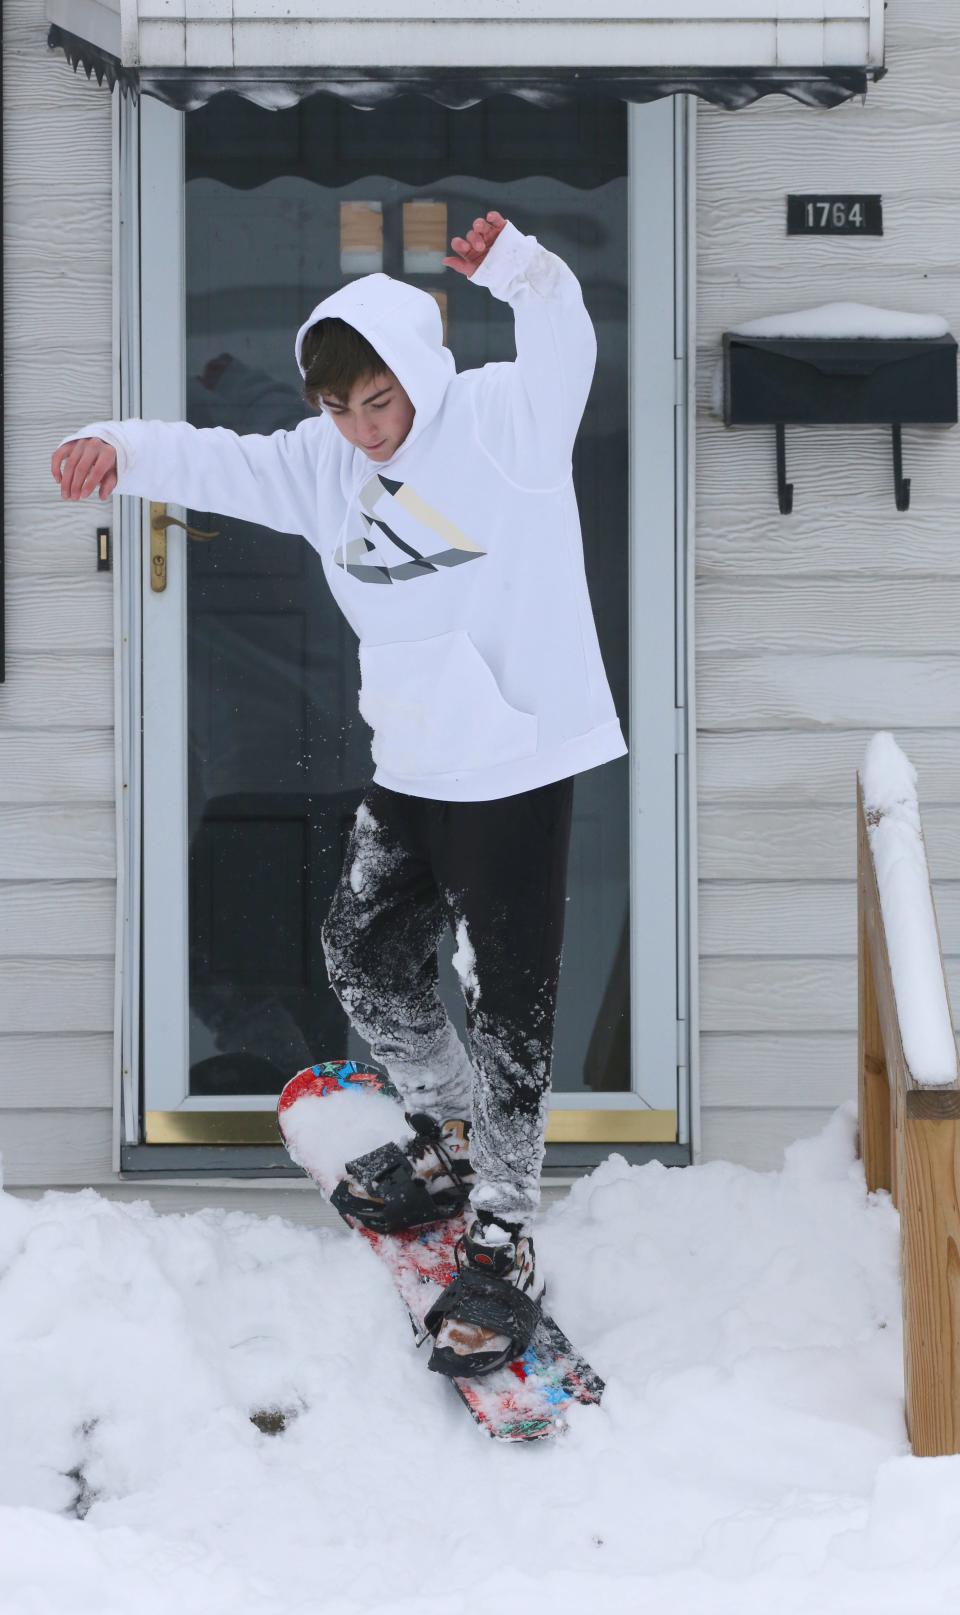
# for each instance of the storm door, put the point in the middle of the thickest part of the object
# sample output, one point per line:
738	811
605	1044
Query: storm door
255	757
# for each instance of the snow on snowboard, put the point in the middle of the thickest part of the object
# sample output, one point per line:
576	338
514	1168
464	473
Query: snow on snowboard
526	1400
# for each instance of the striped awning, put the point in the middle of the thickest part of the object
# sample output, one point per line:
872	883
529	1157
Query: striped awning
276	52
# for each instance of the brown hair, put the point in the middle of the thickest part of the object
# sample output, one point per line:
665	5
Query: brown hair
335	356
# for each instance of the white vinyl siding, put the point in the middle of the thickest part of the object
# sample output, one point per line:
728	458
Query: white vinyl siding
57	777
818	628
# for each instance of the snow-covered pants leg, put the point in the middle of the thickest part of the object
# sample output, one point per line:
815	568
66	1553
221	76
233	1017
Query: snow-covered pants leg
380	941
496	871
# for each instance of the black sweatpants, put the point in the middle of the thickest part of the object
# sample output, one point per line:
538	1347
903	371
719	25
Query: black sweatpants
496	872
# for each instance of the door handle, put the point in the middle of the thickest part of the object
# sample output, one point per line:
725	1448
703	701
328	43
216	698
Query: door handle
159	522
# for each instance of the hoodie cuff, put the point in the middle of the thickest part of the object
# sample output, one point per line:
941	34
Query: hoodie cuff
105	431
507	262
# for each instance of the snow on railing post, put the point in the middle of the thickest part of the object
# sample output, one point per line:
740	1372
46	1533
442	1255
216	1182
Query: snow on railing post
909	1085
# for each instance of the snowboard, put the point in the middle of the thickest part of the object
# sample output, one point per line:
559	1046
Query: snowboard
329	1114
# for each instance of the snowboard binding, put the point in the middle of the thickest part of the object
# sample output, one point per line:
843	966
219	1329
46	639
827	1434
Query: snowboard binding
492	1298
393	1179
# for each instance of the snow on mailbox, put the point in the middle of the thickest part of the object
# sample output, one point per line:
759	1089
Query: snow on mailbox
839	365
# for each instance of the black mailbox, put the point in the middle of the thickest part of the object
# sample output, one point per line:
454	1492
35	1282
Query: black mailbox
830	381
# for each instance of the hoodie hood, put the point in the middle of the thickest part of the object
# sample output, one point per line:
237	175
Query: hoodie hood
404	325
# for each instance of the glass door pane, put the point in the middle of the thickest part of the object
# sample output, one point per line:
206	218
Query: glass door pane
280	209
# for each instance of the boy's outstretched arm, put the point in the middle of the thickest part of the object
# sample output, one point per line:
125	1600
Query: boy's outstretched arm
274	480
528	412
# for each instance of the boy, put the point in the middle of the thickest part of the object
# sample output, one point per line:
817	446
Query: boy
442	505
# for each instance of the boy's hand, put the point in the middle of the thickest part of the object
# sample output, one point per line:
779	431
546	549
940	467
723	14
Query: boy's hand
472	251
79	466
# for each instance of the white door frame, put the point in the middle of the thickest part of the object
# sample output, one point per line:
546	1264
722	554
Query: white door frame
127	620
148	151
688	844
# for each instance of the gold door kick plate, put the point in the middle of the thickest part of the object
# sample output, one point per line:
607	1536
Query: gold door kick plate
239	1127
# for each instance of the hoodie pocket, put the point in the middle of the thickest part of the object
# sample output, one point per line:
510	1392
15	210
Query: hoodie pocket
435	708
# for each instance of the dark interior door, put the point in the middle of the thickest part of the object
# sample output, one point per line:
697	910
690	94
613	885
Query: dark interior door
281	208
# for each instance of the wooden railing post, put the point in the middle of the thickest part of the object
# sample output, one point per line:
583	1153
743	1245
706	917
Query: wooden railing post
910	1143
930	1247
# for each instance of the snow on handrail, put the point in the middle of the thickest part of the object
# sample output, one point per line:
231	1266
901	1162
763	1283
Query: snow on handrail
895	833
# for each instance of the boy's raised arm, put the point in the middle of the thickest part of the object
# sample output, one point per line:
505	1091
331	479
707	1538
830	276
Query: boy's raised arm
268	479
528	412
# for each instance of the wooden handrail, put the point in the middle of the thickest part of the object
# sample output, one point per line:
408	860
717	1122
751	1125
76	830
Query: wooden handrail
910	1144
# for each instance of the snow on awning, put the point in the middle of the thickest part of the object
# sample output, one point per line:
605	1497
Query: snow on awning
276	52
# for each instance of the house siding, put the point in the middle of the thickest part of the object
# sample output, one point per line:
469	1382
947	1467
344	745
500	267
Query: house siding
57	771
816	629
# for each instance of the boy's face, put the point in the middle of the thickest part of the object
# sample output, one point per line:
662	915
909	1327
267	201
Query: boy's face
375	418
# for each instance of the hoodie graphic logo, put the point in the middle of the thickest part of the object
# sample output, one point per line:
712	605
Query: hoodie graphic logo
383	555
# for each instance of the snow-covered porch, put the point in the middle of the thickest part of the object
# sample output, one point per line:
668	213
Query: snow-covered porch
291	1452
749	1452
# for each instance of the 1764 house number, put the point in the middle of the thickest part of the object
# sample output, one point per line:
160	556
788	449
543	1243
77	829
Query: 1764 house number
818	215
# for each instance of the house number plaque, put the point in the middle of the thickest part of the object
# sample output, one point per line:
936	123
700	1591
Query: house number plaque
847	215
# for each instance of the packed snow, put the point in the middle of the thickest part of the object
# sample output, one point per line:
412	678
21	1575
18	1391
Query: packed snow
362	1127
889	784
839	320
368	849
465	964
223	1413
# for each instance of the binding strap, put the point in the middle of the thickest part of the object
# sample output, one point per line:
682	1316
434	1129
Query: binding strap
387	1172
486	1302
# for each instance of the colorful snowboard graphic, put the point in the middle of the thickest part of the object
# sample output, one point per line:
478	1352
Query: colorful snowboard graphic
527	1400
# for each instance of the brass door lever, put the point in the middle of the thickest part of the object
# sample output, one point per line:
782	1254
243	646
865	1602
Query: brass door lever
159	522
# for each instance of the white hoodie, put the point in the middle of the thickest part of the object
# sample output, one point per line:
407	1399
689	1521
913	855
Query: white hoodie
459	561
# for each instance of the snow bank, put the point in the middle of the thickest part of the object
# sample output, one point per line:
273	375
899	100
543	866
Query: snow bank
749	1455
888	780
